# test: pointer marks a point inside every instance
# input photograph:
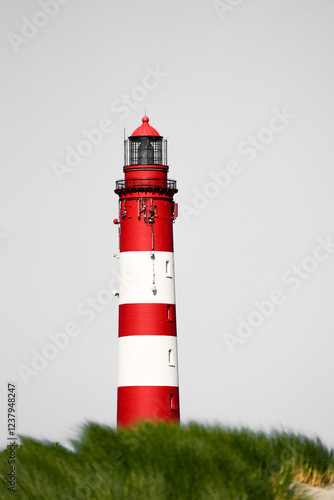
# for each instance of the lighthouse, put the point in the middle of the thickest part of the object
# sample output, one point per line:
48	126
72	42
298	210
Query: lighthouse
147	346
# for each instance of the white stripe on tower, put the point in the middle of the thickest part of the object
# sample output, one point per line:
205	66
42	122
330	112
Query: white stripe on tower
149	360
146	277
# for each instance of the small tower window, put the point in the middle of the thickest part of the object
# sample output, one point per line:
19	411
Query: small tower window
169	313
168	269
171	357
172	402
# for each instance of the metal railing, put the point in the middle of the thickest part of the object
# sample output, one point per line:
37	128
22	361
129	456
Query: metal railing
146	183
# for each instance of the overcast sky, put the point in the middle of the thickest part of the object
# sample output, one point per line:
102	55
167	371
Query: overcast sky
243	91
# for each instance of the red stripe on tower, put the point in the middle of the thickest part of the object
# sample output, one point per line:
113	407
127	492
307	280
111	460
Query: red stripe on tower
147	352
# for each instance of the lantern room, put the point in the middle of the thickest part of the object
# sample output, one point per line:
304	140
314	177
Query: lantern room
145	147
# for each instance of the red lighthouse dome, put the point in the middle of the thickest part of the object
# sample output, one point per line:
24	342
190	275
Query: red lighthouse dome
145	129
147	345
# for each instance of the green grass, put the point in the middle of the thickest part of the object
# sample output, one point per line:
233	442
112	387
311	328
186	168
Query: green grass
167	462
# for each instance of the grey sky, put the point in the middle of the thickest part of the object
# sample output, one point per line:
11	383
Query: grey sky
211	84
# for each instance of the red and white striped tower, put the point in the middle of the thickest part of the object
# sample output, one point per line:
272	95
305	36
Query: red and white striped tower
147	352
